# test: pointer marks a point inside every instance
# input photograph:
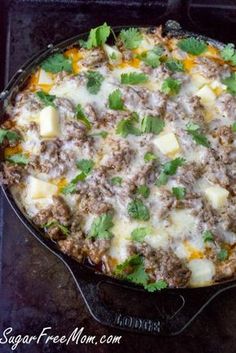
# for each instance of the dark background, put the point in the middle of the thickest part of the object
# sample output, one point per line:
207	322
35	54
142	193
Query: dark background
36	289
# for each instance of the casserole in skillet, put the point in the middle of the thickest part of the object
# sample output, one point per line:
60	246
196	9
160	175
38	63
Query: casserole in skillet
125	155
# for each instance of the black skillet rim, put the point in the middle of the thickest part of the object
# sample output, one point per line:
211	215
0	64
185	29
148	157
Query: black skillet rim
170	28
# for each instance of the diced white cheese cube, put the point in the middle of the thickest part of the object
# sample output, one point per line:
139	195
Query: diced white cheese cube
167	143
38	189
49	122
217	196
202	270
206	95
113	54
45	78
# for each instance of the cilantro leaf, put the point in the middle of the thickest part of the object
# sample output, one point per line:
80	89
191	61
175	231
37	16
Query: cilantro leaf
152	124
101	227
131	38
174	65
207	236
103	134
18	159
138	234
194	130
97	37
149	156
130	262
115	100
228	53
192	45
94	81
154	286
57	63
143	190
171	86
126	127
169	168
233	127
133	78
230	82
223	255
150	58
116	180
85	165
71	187
139	275
62	228
179	192
46	99
137	210
10	135
80	115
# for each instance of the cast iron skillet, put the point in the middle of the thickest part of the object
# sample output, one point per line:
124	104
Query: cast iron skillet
176	308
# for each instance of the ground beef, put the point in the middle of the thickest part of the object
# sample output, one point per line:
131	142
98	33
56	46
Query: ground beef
61	211
189	173
227	216
74	246
65	106
97	248
111	118
127	54
152	103
224	135
52	159
208	215
94	58
145	175
226	105
163	264
215	170
225	269
77	132
12	173
160	73
29	101
120	156
193	108
209	68
92	201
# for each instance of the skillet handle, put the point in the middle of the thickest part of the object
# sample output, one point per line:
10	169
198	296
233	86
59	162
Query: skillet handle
167	323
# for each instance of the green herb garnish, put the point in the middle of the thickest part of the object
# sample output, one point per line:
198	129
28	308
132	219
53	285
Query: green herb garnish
116	180
228	53
85	165
46	99
133	78
137	210
174	65
192	45
80	115
94	81
154	286
179	192
143	190
101	227
194	130
97	37
62	228
149	156
71	187
230	82
10	135
223	255
169	168
233	127
18	159
103	134
171	86
131	38
152	124
207	236
138	234
115	100
126	127
57	63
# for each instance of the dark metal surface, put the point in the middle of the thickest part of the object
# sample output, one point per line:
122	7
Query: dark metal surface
39	271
